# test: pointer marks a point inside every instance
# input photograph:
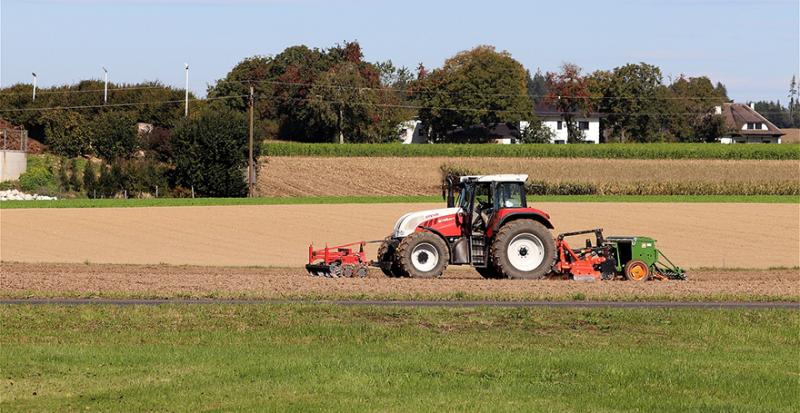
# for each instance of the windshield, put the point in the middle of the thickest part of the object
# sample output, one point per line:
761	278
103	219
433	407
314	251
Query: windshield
509	195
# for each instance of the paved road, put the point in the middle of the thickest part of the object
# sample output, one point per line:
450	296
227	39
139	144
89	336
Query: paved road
388	303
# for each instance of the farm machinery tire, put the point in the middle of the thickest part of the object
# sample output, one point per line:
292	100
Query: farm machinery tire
523	249
386	253
488	272
637	270
423	255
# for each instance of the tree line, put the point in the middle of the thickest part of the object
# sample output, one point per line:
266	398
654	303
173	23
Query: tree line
335	95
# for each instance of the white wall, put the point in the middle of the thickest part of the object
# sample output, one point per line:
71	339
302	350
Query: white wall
410	132
12	165
592	135
749	139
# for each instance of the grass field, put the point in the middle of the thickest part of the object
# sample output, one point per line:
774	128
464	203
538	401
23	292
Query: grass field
390	199
617	151
327	358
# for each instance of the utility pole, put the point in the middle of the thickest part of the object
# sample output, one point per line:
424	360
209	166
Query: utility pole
34	86
105	89
250	170
186	98
341	134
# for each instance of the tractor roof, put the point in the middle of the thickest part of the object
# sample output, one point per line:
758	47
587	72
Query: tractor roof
495	178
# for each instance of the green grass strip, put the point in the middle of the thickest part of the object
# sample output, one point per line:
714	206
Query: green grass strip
615	151
310	358
184	202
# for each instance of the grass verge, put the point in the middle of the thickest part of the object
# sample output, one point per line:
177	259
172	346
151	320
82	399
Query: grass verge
609	151
328	358
173	202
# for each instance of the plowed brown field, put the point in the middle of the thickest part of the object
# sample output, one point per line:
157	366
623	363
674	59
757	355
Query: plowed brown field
69	280
309	176
693	235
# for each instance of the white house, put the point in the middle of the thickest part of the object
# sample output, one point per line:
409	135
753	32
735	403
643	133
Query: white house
411	131
744	125
552	118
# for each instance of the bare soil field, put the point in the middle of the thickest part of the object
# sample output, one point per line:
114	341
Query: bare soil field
692	235
97	280
305	176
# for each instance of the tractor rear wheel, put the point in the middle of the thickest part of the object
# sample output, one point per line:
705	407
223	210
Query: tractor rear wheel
488	272
386	253
637	270
423	255
523	249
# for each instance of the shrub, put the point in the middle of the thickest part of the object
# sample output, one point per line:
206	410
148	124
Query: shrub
211	154
74	180
39	177
113	135
89	180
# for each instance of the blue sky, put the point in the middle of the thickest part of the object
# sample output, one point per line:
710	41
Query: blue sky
751	46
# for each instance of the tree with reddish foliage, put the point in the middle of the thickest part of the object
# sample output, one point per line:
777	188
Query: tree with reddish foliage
568	92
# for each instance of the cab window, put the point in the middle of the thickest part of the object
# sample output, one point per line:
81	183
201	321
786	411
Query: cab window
482	196
509	195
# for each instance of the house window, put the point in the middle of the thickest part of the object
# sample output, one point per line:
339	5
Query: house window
583	125
559	125
754	125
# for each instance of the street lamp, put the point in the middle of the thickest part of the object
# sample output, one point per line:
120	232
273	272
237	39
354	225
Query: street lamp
105	89
186	98
34	86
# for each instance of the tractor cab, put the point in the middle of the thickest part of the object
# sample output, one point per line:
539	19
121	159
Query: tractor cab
481	200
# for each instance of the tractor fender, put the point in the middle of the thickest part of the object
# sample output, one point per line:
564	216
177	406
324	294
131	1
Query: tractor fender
537	216
434	231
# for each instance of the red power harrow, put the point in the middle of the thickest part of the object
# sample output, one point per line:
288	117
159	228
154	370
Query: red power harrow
338	261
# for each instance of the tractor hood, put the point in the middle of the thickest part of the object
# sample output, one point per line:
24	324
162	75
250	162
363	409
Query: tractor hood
408	223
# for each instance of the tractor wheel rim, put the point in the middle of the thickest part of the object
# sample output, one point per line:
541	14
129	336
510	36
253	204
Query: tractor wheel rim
526	252
638	272
424	257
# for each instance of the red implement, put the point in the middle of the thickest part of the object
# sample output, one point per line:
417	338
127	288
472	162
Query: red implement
338	261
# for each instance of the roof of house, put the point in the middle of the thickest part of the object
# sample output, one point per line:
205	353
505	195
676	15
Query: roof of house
4	124
737	115
543	109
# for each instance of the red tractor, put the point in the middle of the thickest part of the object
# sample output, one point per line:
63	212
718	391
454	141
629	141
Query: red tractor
487	224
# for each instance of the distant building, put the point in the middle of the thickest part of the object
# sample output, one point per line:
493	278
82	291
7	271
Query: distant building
411	131
552	118
744	125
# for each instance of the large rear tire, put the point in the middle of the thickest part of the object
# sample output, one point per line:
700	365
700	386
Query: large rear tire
386	253
423	255
523	249
637	270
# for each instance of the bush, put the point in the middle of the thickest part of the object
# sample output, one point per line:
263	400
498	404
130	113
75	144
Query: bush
74	180
608	150
113	135
39	177
210	153
89	180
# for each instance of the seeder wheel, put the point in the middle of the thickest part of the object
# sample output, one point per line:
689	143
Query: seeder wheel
637	270
348	270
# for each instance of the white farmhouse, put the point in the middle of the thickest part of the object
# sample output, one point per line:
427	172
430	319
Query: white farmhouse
411	131
552	118
744	125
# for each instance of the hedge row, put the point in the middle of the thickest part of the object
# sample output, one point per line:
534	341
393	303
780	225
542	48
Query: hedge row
664	188
615	151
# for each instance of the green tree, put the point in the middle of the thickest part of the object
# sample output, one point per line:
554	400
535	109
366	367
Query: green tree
89	179
633	99
537	132
537	87
568	91
113	135
63	175
65	132
211	153
690	102
480	87
74	179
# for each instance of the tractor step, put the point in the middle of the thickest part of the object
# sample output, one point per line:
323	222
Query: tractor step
478	253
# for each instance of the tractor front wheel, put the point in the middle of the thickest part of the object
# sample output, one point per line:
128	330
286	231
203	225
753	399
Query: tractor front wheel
523	249
423	255
637	270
